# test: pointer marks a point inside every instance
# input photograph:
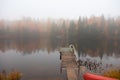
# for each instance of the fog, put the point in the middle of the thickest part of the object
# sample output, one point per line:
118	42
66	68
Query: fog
68	9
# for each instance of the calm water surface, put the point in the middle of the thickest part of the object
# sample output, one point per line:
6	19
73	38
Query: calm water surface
40	60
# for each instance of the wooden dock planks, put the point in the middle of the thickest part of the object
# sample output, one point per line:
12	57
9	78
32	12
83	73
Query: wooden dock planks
71	74
68	61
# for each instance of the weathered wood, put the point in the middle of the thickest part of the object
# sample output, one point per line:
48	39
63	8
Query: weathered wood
70	64
71	74
65	49
68	61
67	57
67	53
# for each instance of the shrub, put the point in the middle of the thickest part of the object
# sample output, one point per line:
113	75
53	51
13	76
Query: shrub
14	75
113	73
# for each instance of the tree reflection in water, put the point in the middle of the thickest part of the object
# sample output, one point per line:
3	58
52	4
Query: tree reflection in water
95	37
100	50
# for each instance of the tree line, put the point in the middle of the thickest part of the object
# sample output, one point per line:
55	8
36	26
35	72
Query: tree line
66	30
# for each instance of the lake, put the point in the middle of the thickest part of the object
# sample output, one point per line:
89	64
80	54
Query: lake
40	59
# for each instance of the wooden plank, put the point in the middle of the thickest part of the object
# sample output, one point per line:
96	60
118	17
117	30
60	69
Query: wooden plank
71	75
70	64
65	49
67	53
68	61
67	57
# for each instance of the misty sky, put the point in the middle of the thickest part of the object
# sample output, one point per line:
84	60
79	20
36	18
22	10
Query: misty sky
69	9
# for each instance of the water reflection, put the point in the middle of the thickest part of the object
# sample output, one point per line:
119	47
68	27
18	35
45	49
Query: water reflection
84	47
39	58
29	46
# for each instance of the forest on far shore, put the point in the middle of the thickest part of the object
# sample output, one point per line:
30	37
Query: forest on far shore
83	28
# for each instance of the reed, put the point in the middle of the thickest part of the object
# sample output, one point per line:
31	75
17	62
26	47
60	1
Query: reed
113	73
14	75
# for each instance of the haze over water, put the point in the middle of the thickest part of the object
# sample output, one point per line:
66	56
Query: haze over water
32	31
67	9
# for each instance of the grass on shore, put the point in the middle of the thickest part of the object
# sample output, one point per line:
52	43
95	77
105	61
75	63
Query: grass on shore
14	75
112	73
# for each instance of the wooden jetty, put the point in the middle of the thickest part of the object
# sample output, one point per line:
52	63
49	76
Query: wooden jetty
71	74
69	62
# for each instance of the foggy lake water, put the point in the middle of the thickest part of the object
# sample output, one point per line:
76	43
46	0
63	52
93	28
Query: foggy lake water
33	31
40	59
